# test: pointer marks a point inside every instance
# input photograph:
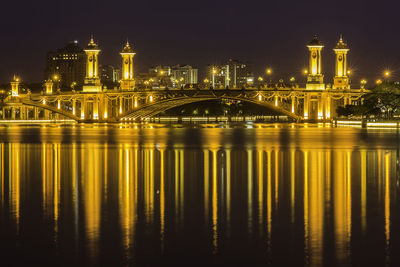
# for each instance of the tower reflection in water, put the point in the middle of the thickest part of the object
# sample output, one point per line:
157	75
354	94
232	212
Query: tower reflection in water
215	198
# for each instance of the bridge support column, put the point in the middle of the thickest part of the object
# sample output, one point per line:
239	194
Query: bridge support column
320	106
120	105
294	100
96	108
74	106
22	113
276	102
3	113
83	108
327	107
35	113
46	115
105	107
135	103
346	99
13	113
305	106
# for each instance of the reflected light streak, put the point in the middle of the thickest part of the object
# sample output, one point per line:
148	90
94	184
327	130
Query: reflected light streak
14	181
363	190
250	190
269	202
260	187
387	207
214	202
206	183
228	188
2	173
162	199
292	183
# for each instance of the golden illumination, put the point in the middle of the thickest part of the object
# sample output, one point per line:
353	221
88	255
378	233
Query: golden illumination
128	82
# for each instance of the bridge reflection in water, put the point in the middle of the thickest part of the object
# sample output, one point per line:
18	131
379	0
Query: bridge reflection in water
151	196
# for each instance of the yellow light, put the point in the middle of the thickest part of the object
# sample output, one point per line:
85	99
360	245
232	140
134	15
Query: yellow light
44	101
260	79
387	73
126	75
348	72
363	81
214	71
269	71
206	80
105	115
162	72
151	98
379	81
136	104
305	71
55	77
292	79
259	97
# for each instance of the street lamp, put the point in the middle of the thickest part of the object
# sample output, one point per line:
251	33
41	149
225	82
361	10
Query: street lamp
379	81
269	73
363	83
387	75
56	79
214	71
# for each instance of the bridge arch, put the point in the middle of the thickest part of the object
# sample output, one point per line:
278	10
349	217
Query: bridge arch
152	109
29	103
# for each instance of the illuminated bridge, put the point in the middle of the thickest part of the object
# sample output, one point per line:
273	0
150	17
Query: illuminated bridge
316	101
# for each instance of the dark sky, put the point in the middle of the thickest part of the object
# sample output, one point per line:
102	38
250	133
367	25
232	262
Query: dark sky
267	33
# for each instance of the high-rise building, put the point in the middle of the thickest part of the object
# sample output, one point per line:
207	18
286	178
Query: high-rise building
234	74
183	75
109	74
68	64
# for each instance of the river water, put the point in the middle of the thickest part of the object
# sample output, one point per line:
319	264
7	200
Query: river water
209	195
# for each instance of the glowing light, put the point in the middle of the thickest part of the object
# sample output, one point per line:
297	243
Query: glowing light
379	81
269	71
292	79
387	73
305	71
151	98
259	97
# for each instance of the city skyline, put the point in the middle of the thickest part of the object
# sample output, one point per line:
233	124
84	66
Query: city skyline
268	34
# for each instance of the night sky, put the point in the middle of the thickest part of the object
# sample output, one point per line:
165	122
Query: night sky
268	33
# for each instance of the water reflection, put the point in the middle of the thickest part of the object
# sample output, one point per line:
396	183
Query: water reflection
216	196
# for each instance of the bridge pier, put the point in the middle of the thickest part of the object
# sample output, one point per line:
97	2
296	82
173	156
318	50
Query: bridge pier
105	107
74	106
35	113
95	108
83	108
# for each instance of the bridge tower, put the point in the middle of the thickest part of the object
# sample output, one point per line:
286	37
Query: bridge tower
315	79
92	80
128	82
15	86
49	86
341	80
